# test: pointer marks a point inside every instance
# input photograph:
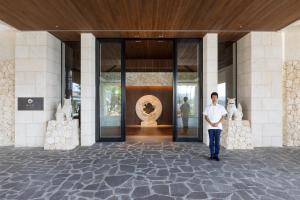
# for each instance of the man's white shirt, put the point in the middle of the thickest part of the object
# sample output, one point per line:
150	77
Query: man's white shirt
214	114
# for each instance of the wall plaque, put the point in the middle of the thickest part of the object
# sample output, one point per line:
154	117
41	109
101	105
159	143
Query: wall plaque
30	103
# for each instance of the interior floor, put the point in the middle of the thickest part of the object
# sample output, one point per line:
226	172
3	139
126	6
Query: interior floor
159	133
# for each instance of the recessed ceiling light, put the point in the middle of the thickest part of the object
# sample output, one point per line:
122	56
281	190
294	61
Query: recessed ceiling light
56	26
241	26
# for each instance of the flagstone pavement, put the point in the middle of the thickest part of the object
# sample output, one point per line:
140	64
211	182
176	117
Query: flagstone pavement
149	170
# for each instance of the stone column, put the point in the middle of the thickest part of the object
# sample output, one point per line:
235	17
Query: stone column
210	73
244	75
259	84
38	74
88	88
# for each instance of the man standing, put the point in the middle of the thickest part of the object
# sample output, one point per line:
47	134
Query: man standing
214	115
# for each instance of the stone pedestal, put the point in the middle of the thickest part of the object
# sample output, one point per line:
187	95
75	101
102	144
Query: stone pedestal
237	135
149	124
62	135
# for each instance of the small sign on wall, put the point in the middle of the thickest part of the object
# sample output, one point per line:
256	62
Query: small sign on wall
30	103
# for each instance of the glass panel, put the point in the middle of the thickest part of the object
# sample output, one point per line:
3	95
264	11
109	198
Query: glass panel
149	71
71	75
226	71
222	94
187	87
110	90
75	99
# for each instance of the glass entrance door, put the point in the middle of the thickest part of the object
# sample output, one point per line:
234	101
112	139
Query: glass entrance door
110	90
187	90
187	101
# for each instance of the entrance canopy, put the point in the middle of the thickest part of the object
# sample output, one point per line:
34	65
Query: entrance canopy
231	19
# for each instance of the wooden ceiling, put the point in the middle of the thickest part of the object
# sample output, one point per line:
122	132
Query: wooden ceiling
149	18
148	49
149	55
75	35
140	56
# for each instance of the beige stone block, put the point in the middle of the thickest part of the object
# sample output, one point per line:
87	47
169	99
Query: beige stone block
266	141
23	117
22	52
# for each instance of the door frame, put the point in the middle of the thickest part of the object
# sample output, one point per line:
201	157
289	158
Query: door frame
123	90
200	91
122	41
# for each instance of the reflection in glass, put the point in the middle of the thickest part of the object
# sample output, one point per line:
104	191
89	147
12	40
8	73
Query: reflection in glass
75	99
71	75
187	99
110	90
222	94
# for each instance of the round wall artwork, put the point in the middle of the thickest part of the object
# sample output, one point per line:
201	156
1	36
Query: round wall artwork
148	108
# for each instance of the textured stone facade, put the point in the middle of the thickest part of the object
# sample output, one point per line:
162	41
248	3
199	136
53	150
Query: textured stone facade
259	85
237	135
88	93
7	102
291	101
62	135
37	74
149	78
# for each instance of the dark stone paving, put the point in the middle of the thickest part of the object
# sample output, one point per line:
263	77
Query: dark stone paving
149	171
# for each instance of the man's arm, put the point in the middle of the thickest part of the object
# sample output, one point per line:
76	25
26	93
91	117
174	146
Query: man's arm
205	113
224	112
208	121
221	120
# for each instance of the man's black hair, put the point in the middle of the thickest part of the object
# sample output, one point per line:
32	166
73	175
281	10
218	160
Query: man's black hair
214	94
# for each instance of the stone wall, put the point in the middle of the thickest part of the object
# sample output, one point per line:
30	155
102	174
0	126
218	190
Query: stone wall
7	84
244	74
291	103
7	99
37	74
149	78
259	71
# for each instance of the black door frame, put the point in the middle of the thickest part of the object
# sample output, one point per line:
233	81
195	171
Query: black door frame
122	41
123	90
200	91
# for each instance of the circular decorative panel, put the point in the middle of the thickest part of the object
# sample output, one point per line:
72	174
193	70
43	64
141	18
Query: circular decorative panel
148	108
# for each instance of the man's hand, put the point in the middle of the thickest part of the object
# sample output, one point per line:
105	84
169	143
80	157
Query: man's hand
212	124
215	124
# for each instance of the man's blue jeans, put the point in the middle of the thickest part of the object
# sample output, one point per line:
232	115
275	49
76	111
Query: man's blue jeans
214	141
